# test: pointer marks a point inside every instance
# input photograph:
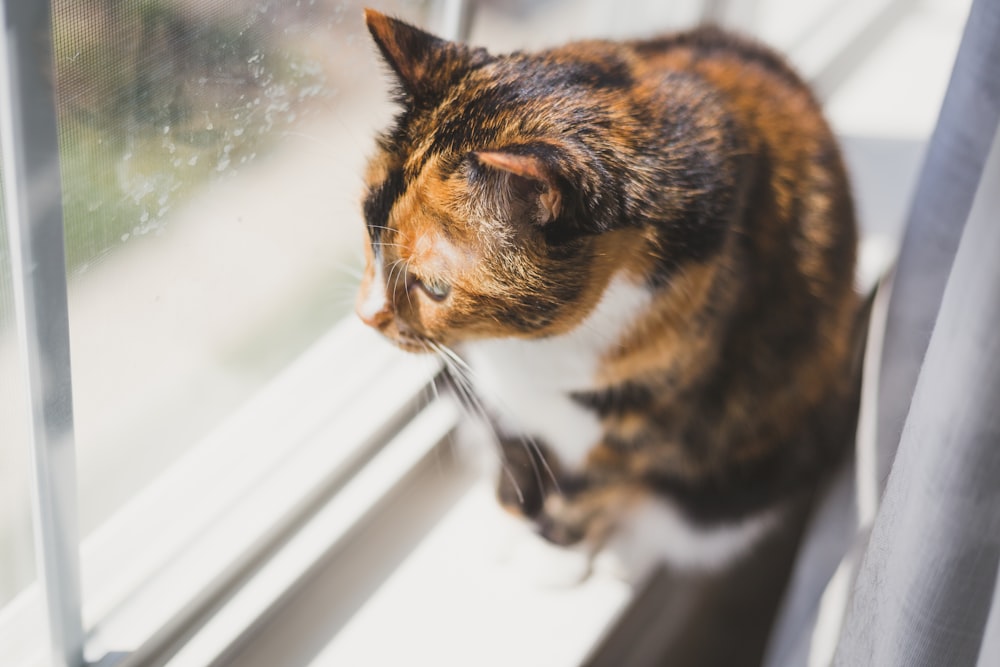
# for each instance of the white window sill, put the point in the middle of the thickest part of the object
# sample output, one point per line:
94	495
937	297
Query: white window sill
437	593
454	602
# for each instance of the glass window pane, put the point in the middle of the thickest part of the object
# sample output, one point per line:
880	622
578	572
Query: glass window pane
211	170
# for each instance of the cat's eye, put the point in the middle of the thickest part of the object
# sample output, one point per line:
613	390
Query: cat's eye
435	288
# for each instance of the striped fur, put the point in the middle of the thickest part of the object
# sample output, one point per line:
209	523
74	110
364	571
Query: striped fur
695	169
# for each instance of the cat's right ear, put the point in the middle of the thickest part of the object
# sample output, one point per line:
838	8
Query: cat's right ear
425	65
526	181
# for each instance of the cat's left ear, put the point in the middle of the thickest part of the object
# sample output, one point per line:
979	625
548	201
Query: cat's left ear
424	64
529	180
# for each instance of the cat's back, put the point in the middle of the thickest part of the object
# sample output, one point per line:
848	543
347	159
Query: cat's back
715	52
746	83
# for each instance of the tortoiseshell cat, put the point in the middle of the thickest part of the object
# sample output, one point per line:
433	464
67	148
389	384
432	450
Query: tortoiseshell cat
645	253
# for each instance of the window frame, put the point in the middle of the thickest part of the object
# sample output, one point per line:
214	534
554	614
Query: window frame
33	201
83	607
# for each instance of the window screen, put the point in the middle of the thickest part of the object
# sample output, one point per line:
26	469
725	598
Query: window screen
210	157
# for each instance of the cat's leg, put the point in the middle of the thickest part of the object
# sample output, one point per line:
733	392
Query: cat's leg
583	521
630	531
655	532
588	502
526	479
529	558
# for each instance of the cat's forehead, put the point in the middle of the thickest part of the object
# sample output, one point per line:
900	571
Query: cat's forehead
488	109
425	211
427	201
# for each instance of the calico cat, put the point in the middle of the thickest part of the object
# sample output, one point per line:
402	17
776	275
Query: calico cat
644	253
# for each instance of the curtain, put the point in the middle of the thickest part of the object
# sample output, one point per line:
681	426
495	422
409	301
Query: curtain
918	584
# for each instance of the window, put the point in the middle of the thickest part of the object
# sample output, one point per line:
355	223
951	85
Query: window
210	160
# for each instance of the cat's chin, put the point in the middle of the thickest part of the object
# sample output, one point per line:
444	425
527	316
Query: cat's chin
412	346
410	343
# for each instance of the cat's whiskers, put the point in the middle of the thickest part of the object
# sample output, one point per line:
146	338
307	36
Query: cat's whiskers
398	264
431	395
351	270
468	400
345	289
344	294
398	232
528	442
471	403
451	354
405	270
387	244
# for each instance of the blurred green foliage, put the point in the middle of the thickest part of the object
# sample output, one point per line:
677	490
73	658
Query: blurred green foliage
156	99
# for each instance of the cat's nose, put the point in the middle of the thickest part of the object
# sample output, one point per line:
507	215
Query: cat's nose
373	308
375	318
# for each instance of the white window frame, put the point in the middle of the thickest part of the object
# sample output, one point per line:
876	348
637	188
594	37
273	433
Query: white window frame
33	203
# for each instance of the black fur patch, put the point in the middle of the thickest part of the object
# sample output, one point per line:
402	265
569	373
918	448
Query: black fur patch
627	397
379	202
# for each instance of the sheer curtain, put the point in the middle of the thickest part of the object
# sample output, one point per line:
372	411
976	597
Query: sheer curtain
918	584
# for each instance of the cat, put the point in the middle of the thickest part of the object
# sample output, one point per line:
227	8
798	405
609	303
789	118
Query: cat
638	257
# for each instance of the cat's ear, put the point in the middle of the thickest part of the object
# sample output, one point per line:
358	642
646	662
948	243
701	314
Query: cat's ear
528	180
424	64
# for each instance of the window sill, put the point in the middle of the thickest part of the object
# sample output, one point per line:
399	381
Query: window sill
454	602
434	585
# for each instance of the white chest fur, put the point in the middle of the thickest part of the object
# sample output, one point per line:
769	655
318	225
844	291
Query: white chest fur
527	383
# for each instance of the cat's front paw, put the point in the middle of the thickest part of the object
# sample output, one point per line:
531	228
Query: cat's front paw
586	517
602	522
528	557
538	561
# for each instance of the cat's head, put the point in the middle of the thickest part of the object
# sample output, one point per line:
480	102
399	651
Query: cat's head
483	202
